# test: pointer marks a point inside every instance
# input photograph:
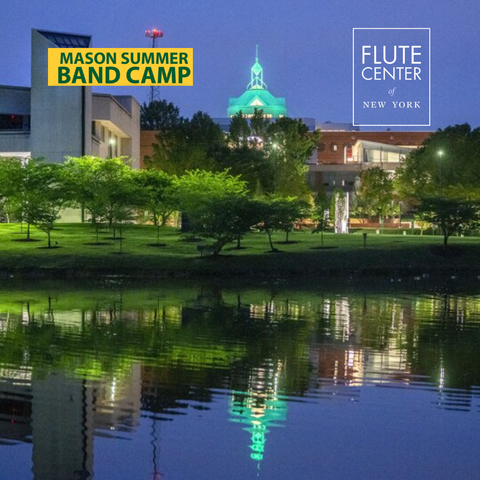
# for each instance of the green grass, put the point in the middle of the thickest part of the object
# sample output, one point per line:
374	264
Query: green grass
384	254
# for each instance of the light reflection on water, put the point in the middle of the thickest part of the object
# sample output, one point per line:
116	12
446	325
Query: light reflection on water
209	383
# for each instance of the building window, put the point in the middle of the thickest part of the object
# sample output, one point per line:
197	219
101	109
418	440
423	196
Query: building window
321	147
333	147
14	122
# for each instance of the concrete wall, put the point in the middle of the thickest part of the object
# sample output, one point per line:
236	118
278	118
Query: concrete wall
120	116
60	116
14	100
14	142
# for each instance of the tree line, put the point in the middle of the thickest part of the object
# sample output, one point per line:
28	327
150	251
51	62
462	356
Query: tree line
254	176
271	157
223	185
219	206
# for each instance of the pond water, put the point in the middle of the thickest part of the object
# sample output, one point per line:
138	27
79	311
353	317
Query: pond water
187	381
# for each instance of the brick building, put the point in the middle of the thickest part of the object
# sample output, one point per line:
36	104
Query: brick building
342	155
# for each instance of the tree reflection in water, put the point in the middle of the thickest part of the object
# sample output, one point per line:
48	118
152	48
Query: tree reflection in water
95	361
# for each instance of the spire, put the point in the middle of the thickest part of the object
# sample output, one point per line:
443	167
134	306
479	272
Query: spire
256	75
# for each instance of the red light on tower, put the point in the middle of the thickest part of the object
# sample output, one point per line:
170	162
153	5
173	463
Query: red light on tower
154	33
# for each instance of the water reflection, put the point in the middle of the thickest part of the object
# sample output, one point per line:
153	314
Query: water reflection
259	407
113	364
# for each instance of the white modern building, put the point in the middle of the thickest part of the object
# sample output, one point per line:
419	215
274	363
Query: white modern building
56	122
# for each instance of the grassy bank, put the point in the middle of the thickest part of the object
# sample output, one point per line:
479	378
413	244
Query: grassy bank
343	254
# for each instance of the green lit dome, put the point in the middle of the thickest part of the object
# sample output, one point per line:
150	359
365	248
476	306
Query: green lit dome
257	97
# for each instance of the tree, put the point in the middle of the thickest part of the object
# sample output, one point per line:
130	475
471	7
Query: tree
211	202
46	197
123	217
225	220
289	211
203	131
121	193
375	197
441	180
252	164
270	220
189	146
280	213
320	213
32	195
239	130
45	216
447	165
157	193
290	145
104	187
11	175
449	215
259	125
245	213
160	115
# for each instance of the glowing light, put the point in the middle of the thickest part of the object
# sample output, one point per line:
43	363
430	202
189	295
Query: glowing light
154	33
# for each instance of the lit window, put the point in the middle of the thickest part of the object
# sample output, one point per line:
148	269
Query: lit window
256	103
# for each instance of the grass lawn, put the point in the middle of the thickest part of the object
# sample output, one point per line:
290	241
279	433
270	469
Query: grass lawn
385	254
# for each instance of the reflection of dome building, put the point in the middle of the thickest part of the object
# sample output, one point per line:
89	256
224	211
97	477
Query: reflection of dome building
259	407
257	96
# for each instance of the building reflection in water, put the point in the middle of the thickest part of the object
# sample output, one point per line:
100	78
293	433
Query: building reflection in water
259	407
67	376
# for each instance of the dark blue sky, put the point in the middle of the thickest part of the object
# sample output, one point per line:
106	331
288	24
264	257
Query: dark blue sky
305	47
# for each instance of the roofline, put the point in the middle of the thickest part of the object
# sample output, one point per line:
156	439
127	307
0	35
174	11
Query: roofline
62	33
127	96
112	97
376	132
386	146
15	87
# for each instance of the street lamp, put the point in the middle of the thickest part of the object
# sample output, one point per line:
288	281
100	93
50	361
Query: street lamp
275	148
111	143
440	155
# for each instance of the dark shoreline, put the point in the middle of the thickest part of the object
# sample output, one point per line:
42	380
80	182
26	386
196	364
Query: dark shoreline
377	279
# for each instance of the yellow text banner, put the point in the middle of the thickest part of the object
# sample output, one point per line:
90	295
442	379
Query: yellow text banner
120	66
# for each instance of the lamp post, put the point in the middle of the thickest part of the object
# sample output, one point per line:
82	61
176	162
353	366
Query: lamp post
154	34
440	155
111	143
275	148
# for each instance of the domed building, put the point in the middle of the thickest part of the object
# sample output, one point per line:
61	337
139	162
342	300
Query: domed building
257	96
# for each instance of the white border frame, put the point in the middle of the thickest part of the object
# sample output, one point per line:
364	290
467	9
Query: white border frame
429	78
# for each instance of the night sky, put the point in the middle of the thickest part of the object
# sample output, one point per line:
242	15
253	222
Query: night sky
305	47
